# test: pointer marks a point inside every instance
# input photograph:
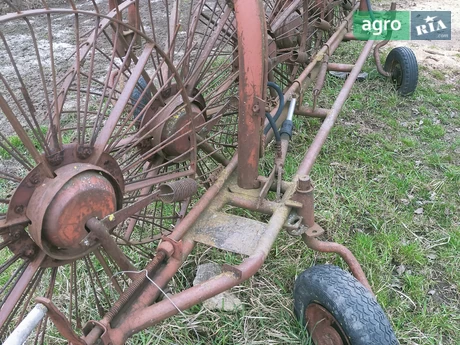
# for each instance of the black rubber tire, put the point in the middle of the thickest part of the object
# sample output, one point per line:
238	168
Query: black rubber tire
141	85
362	319
402	64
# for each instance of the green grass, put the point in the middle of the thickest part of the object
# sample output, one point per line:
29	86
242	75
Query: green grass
386	158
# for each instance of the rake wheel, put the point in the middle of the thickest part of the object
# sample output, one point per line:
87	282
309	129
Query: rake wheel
94	119
298	30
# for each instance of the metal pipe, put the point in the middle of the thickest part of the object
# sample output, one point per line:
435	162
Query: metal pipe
317	112
252	53
329	121
198	293
329	47
340	67
25	328
290	113
345	254
322	24
379	45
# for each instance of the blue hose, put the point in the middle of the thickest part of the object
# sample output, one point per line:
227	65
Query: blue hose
280	108
369	8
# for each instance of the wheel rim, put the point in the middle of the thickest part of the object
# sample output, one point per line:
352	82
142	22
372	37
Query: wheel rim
101	133
323	327
396	74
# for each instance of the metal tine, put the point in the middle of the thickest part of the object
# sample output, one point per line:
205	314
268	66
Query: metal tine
194	15
110	125
16	274
35	282
208	28
152	26
9	177
49	294
35	129
98	279
108	271
210	45
16	154
55	134
74	288
77	71
99	307
105	106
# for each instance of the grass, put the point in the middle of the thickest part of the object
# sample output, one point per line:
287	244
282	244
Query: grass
386	185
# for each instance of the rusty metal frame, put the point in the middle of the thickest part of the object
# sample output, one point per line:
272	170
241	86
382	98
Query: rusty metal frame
137	308
118	329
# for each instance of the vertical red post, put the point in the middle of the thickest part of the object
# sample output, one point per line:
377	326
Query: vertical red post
252	55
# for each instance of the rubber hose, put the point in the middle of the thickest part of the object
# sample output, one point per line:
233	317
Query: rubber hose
272	122
281	105
369	8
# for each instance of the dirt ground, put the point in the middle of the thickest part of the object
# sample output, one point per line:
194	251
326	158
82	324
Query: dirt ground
438	55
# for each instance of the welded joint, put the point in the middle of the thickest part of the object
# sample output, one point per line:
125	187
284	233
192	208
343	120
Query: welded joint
314	231
293	204
105	337
232	269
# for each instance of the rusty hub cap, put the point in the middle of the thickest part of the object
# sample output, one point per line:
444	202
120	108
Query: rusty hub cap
323	327
62	206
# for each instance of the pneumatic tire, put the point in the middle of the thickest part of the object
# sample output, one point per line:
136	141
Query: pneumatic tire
402	64
329	295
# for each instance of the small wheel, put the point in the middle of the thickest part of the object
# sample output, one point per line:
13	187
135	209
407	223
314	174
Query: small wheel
402	64
339	310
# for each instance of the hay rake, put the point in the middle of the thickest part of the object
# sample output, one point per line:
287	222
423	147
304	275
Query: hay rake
128	126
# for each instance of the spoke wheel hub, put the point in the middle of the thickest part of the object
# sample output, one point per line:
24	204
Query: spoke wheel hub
60	208
172	121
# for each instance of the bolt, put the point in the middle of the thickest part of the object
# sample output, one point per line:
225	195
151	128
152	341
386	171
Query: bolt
35	179
304	183
256	108
84	151
19	209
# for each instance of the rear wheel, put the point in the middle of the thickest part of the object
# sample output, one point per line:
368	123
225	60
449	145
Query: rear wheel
402	64
339	310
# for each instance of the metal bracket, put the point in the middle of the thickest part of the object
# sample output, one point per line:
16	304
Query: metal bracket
259	107
105	337
314	231
294	226
60	321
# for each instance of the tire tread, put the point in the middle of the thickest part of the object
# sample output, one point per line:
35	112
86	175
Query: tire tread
354	307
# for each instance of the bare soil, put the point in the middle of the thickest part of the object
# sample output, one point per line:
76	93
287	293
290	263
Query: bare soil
438	55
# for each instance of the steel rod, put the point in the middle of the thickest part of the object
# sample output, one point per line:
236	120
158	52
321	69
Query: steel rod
25	328
315	147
